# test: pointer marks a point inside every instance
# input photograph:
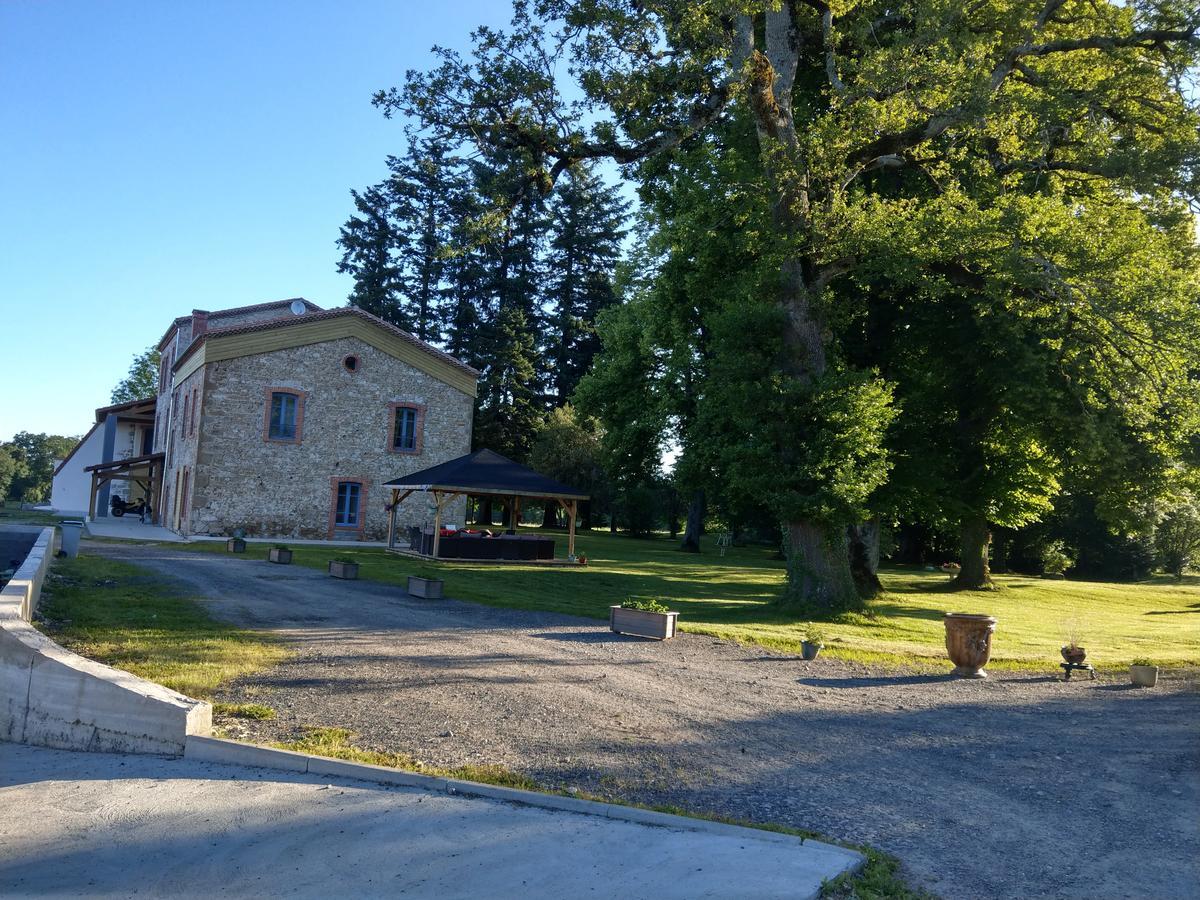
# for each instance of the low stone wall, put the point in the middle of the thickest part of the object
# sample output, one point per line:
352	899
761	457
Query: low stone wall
55	698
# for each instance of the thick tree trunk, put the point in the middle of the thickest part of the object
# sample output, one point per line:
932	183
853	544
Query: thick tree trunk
550	514
818	568
864	557
585	514
695	524
975	538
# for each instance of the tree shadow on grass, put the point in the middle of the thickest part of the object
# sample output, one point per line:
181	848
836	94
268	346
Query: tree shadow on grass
1194	608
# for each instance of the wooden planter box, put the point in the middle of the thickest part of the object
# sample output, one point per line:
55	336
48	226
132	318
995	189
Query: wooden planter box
349	571
660	626
282	557
429	588
235	545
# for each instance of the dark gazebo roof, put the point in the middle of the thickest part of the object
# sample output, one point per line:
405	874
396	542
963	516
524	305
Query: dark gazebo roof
486	472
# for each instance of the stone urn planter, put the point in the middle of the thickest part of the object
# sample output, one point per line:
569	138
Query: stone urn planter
235	545
969	643
1143	675
280	555
428	588
341	569
809	650
657	625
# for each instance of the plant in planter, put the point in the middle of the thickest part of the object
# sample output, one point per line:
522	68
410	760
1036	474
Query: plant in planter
644	617
280	554
426	583
812	642
1143	673
1072	652
343	567
235	545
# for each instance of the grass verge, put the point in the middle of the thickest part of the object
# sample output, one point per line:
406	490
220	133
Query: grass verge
120	615
730	597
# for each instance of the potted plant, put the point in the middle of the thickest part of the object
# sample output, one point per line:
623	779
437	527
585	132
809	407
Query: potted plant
969	642
343	567
812	643
426	584
1143	673
235	545
1071	651
644	617
280	554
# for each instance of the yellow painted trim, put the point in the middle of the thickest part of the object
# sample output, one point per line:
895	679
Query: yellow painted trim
191	364
221	347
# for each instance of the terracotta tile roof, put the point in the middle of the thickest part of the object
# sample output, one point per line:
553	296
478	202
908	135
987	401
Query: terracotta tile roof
236	310
321	316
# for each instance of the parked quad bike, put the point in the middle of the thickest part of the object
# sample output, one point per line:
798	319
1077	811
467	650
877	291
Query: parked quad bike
120	507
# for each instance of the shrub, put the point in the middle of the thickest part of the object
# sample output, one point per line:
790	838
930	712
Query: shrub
645	604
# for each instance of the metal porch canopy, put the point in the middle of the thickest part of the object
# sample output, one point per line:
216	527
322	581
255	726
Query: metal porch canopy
483	472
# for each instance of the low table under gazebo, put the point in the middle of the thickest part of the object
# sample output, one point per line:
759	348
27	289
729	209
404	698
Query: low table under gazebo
483	473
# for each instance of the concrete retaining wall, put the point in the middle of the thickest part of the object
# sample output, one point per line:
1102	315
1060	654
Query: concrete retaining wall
55	698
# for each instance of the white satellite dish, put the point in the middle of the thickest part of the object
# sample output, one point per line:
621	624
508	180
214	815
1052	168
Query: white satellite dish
298	308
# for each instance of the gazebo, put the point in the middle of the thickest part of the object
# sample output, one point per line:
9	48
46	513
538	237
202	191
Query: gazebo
483	473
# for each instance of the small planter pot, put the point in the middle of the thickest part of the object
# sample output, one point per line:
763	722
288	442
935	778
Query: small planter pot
235	545
810	651
640	622
428	588
969	643
348	571
1074	655
280	557
1143	676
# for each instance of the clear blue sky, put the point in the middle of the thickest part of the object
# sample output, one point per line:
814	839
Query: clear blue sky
157	157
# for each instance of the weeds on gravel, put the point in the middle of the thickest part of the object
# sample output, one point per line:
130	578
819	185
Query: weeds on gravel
336	743
878	879
118	614
244	710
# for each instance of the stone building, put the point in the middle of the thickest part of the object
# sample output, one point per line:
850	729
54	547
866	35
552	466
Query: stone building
283	419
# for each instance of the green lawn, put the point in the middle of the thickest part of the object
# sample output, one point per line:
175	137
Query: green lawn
12	514
118	614
730	597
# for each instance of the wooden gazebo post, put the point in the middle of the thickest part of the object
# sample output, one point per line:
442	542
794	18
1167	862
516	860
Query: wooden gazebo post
571	527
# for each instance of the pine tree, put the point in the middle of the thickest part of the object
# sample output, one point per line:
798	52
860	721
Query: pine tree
586	218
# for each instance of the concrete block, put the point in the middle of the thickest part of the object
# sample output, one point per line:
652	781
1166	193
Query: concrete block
217	750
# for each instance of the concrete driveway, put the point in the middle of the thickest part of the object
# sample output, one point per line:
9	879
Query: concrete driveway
103	825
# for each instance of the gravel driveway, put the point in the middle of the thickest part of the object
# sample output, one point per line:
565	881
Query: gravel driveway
1017	786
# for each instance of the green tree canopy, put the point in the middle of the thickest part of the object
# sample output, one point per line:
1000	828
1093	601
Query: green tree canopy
868	118
142	380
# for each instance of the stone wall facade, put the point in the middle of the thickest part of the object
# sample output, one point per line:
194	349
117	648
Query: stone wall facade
182	424
240	479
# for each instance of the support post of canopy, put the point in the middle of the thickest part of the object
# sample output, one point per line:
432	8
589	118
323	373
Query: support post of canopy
437	523
391	537
571	528
92	499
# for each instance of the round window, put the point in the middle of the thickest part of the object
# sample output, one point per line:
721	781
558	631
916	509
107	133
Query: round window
351	363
